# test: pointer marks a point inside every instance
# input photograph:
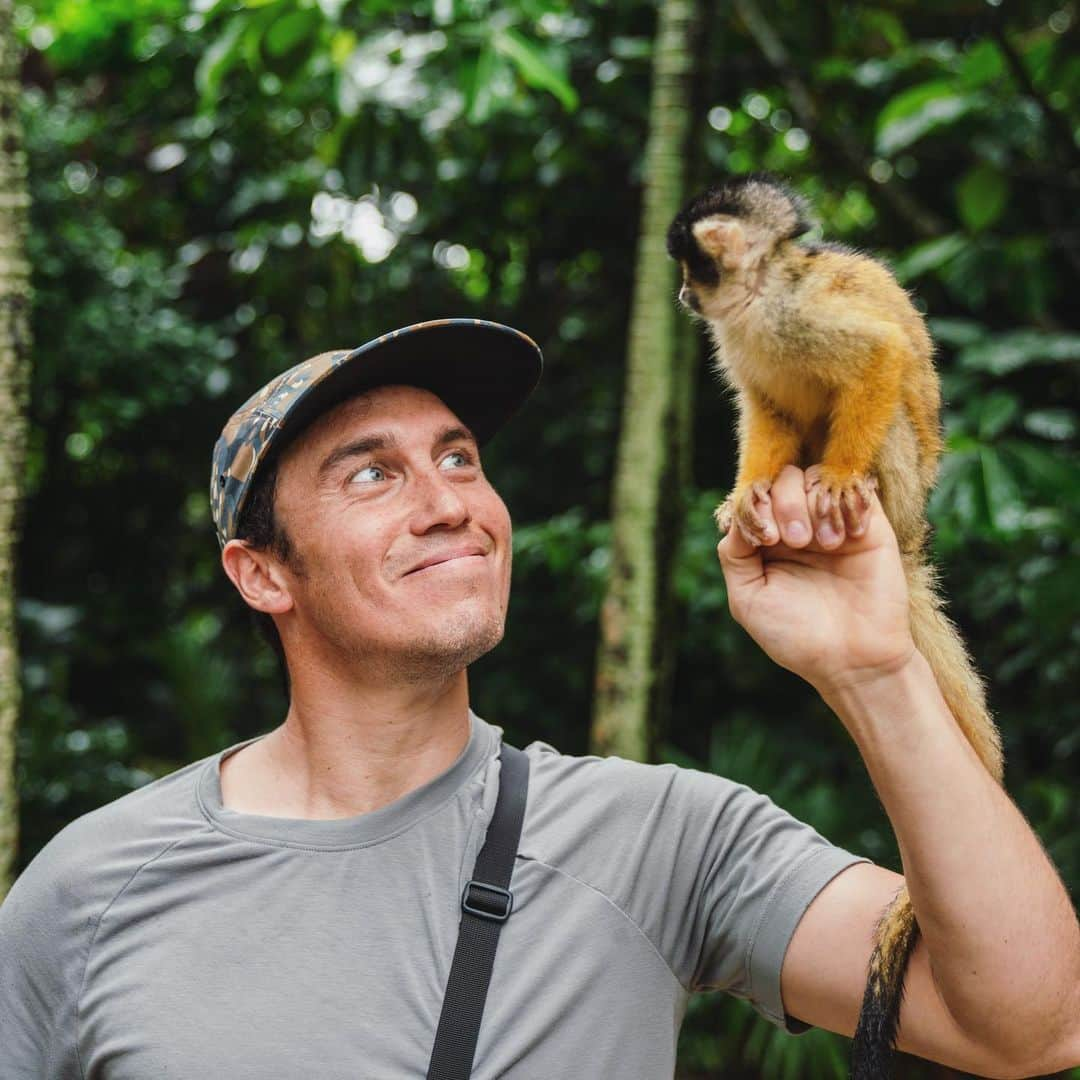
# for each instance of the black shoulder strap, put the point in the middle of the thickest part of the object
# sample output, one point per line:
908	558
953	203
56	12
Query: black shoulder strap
485	905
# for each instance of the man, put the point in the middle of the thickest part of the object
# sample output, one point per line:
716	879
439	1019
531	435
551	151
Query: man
289	906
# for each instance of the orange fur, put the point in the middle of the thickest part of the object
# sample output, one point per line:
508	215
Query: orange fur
831	363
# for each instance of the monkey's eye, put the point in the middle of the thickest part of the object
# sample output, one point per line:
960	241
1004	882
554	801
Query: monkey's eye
702	270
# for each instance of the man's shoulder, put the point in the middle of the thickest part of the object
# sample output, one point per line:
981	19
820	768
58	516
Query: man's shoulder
615	777
612	797
92	856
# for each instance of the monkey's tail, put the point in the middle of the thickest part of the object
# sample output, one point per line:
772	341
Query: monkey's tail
894	941
897	932
961	685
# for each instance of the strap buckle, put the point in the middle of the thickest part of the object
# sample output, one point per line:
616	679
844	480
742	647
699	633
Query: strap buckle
498	905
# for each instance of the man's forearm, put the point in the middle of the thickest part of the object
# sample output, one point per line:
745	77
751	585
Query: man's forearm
1000	930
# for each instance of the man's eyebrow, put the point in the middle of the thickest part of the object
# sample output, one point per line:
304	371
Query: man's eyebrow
457	433
376	441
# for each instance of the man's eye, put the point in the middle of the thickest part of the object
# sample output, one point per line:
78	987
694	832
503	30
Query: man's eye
369	474
457	458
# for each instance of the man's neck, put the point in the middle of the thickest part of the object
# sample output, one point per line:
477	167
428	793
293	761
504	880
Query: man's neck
349	752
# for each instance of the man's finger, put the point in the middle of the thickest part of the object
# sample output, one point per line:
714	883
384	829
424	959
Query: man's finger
790	507
740	561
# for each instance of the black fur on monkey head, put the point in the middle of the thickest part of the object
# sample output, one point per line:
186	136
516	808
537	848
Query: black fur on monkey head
744	216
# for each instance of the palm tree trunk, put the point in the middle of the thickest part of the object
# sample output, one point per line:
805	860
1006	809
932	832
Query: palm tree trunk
14	382
634	652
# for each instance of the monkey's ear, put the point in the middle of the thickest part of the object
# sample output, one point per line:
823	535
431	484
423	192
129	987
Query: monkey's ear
723	238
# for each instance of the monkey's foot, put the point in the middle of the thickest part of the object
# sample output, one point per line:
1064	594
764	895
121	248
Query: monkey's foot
839	499
744	508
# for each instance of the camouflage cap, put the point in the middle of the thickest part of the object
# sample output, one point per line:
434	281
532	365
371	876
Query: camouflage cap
483	371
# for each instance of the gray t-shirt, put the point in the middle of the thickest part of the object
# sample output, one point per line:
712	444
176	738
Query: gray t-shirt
164	935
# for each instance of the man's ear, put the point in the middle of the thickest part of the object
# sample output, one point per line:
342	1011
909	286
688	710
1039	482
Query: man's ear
257	576
723	239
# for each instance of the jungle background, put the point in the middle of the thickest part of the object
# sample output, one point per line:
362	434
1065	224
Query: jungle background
219	189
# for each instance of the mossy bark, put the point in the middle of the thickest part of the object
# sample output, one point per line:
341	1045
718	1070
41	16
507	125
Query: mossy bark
14	380
635	654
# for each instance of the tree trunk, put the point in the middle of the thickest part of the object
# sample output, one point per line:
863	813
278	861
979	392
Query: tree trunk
14	384
635	655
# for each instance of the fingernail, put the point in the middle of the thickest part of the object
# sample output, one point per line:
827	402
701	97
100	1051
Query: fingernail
797	532
827	534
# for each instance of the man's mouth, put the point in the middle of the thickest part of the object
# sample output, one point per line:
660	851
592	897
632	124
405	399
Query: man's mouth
463	552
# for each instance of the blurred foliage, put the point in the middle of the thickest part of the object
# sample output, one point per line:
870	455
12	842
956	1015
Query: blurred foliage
221	188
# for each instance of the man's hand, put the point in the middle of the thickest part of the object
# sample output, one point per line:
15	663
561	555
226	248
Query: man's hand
835	614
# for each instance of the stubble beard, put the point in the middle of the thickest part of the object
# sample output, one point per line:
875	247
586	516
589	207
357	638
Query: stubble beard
450	649
439	652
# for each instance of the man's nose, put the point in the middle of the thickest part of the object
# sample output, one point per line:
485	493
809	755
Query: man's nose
438	502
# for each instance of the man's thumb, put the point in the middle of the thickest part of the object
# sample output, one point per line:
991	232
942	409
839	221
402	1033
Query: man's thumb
741	563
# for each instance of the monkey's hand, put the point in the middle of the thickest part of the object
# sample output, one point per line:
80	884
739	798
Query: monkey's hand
839	501
747	508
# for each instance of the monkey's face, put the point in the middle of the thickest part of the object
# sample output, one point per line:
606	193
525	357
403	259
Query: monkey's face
708	272
701	276
721	266
699	270
717	251
723	238
688	295
703	299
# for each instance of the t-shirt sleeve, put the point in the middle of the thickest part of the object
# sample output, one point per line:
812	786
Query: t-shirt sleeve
44	931
768	867
722	877
746	871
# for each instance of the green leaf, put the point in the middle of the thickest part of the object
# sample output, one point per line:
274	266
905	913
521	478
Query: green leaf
479	80
996	411
968	275
889	25
835	69
1003	497
982	64
956	333
1044	469
1009	352
289	30
918	110
534	66
981	196
342	45
1056	424
927	256
217	60
250	45
958	494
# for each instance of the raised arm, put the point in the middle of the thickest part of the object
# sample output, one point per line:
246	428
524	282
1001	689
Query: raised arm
994	984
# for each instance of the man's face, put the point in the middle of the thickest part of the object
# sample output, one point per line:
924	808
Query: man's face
402	547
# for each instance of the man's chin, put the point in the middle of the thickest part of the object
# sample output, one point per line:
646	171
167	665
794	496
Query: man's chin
451	649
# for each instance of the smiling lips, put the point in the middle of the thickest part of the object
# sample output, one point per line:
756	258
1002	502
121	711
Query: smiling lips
447	556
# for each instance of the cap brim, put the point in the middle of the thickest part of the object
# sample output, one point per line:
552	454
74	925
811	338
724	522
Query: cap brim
483	371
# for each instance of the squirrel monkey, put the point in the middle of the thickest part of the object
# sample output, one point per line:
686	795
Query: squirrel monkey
832	369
